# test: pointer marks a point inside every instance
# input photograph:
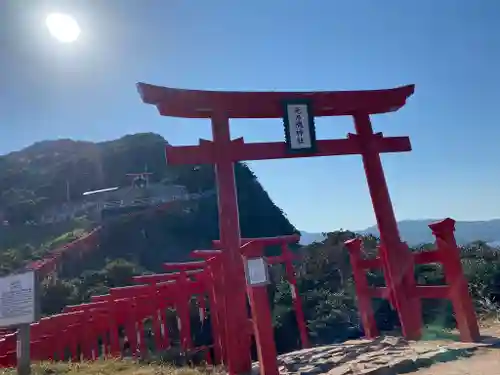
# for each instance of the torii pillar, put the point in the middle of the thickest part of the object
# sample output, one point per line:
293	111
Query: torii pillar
298	110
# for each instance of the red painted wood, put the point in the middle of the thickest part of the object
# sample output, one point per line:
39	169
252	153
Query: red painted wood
265	241
238	150
397	262
202	104
186	266
458	289
288	257
362	289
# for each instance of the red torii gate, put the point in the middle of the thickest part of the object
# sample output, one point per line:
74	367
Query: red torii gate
98	318
148	301
185	270
214	283
286	257
456	289
181	290
130	304
298	109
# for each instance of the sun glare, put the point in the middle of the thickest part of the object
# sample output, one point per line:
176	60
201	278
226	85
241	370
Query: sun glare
63	27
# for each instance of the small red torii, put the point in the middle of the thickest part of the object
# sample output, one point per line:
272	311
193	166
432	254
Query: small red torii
122	312
94	314
186	270
213	279
286	257
181	289
144	301
456	289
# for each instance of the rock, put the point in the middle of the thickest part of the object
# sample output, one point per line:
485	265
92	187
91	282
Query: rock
319	356
424	360
340	370
379	362
309	370
357	342
384	356
336	350
370	356
393	341
325	366
404	366
338	358
292	367
386	370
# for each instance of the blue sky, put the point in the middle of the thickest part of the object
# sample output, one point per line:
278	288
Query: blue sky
449	49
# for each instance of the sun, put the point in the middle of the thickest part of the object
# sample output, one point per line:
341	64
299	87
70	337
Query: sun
63	27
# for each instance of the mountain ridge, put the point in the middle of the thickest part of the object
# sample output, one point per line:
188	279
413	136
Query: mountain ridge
416	232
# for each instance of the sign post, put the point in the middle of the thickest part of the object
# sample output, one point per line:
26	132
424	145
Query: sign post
23	350
257	278
19	308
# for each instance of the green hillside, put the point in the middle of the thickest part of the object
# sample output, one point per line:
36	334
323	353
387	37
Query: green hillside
35	181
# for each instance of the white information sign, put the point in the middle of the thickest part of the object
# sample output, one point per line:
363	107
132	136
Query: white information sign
299	127
17	299
257	272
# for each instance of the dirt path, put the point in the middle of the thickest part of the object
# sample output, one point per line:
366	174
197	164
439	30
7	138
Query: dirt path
484	362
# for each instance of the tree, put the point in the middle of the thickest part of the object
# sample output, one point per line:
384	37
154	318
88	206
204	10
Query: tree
56	295
119	272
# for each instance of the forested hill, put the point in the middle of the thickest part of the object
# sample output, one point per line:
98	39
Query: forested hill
46	178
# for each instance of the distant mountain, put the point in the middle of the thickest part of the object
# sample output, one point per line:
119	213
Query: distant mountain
416	232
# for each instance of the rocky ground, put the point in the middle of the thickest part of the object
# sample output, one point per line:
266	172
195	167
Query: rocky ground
483	362
393	355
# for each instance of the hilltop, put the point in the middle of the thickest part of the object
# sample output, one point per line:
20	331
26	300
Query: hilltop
51	176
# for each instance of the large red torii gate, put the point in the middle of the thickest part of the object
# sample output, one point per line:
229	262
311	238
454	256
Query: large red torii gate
298	110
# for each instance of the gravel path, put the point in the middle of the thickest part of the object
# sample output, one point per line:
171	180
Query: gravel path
484	362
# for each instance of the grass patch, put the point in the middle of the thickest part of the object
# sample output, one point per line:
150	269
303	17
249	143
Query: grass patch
437	333
111	367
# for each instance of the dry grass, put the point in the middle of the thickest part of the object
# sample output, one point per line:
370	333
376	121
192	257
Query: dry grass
112	367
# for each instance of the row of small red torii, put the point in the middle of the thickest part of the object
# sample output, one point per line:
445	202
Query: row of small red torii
55	260
77	330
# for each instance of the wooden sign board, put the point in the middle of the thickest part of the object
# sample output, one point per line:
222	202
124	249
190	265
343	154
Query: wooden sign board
18	299
300	131
19	307
257	271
